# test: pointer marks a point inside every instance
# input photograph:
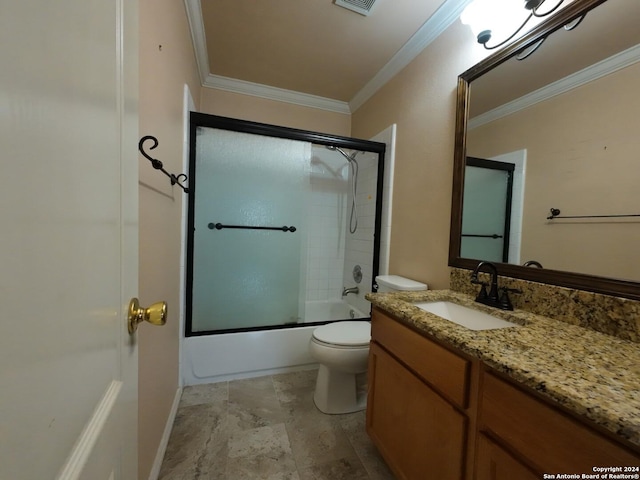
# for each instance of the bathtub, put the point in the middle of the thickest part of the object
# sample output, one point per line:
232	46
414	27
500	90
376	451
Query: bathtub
217	358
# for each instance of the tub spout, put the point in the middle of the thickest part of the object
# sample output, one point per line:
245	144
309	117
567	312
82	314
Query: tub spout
346	291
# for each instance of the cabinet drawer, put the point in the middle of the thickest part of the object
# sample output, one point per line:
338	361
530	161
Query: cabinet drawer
445	371
549	439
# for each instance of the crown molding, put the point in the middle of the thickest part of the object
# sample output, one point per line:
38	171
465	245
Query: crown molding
273	93
444	16
597	70
198	37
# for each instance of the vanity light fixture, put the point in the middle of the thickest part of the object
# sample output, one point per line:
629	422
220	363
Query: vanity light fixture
495	18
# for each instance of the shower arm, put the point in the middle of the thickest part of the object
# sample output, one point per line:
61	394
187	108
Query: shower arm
342	152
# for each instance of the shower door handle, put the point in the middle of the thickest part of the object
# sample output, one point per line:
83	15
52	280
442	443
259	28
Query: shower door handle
220	226
156	314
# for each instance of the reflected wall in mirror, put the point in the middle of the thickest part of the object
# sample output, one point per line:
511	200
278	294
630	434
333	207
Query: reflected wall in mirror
568	117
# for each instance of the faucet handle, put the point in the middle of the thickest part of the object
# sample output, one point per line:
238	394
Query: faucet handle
482	294
505	301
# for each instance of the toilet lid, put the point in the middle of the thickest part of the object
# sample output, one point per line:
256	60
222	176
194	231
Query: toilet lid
353	334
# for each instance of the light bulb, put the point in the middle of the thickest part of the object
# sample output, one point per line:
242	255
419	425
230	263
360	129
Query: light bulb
500	17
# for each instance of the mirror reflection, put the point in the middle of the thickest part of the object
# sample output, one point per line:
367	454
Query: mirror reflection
559	130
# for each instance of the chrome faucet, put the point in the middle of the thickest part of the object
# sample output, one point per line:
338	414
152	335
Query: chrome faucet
493	298
346	291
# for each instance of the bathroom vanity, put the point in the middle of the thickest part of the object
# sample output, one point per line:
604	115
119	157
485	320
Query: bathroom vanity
543	397
557	393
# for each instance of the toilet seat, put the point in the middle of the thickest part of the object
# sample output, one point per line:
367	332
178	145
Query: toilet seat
344	334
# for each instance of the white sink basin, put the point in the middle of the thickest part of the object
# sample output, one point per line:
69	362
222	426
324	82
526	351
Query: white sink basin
464	316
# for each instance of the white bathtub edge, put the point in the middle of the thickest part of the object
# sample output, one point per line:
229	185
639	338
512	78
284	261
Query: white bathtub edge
217	358
251	374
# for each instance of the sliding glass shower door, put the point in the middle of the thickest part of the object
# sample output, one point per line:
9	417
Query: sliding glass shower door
249	231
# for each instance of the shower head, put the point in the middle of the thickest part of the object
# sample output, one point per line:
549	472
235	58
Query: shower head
350	158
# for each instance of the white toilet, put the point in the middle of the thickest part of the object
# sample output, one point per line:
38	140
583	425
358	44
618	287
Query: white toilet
396	283
342	350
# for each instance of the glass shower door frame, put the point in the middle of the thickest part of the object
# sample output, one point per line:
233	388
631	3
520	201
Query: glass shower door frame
225	123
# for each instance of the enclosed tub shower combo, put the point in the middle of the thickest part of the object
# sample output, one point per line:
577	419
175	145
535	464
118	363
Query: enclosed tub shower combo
282	236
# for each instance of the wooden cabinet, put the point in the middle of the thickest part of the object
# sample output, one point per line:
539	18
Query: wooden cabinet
544	438
418	392
434	412
495	463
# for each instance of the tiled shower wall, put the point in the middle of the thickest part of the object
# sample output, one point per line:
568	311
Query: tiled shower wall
332	251
359	245
326	224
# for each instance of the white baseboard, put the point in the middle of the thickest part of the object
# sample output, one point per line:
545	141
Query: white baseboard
164	441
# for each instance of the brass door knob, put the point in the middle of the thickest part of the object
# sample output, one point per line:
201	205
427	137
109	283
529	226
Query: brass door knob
156	314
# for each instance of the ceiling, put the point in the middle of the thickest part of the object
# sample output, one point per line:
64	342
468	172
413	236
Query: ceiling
319	54
312	47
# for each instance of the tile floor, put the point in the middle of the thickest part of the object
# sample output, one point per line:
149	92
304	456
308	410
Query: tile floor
267	428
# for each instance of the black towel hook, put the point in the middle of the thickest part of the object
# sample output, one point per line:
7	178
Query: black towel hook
157	164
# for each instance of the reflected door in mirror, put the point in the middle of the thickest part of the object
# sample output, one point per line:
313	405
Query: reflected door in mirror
486	220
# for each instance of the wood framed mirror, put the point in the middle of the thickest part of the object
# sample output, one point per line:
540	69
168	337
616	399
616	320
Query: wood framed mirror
607	33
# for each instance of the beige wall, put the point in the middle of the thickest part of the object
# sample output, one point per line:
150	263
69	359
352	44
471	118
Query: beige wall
421	100
581	155
246	107
167	62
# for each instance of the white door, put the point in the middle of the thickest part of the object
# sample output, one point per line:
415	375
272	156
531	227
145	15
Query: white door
68	239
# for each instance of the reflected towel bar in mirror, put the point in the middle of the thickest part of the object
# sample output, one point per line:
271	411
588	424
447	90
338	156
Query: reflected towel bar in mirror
494	235
555	213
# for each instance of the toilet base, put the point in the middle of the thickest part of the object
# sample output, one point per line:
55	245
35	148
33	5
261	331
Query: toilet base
339	392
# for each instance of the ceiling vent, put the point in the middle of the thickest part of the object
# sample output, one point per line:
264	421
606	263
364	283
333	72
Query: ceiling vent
363	7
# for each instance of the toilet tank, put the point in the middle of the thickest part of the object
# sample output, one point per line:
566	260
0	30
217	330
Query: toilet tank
396	283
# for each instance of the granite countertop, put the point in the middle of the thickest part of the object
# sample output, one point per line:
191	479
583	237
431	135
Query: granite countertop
591	373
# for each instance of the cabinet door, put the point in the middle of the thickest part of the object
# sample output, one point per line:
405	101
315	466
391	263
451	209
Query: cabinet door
419	434
549	439
445	371
494	463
